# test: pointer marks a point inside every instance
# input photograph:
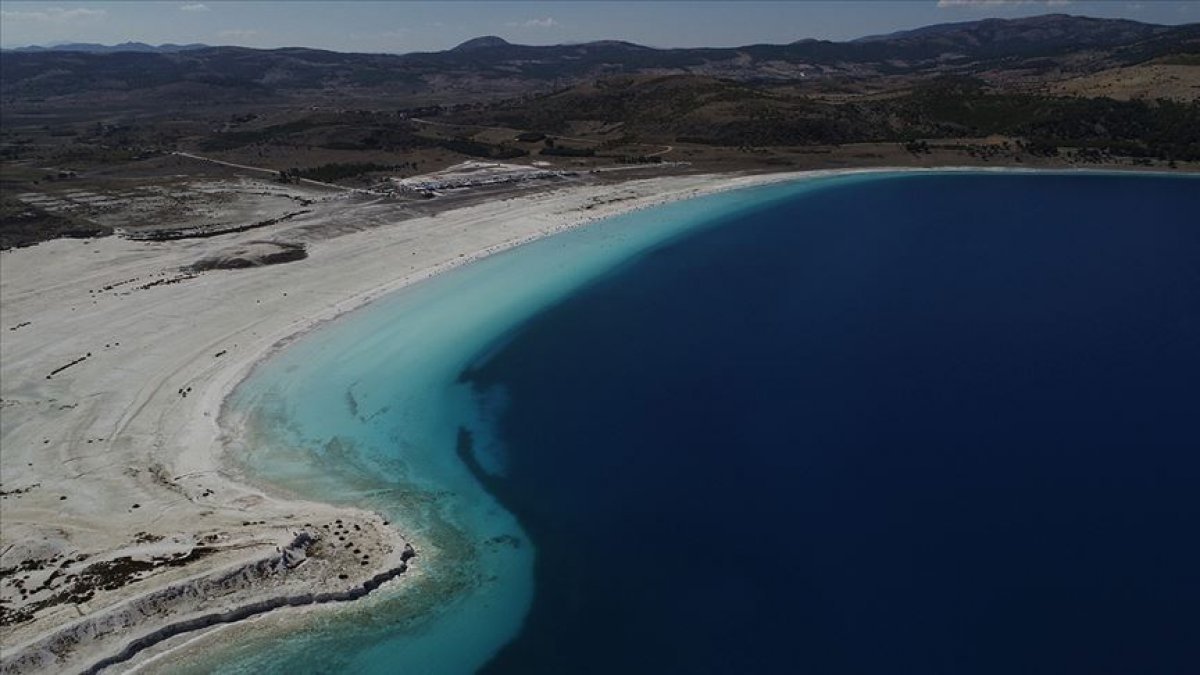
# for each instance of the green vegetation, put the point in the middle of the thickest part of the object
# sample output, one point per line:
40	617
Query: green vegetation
237	139
1162	128
559	151
335	171
704	111
476	149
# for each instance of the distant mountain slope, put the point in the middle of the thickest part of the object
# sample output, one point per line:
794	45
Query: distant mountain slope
92	48
490	65
482	43
1052	31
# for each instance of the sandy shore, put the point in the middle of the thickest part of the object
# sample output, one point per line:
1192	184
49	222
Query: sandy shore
120	515
123	519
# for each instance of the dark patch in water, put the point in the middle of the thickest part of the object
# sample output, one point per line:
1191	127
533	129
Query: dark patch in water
929	424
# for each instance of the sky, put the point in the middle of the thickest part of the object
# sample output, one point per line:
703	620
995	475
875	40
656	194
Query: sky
399	27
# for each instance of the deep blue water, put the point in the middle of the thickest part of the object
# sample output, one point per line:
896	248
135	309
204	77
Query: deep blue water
922	424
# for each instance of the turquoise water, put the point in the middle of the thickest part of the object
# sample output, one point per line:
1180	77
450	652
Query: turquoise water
873	423
365	411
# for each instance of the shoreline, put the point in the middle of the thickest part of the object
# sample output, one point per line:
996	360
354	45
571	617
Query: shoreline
154	409
160	425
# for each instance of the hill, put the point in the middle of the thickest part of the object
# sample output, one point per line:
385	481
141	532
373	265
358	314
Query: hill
93	48
490	67
690	109
1039	34
1048	91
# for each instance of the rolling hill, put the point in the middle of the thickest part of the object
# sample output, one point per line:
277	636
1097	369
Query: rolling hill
492	67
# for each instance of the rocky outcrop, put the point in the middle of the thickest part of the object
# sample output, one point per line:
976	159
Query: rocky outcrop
50	653
205	231
251	254
245	612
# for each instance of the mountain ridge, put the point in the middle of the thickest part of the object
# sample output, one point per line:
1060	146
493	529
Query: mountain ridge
96	48
490	66
1096	27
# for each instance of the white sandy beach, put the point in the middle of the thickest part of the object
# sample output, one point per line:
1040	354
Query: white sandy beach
120	454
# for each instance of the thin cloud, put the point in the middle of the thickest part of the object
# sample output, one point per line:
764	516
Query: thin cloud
948	4
534	23
53	14
238	33
395	34
194	7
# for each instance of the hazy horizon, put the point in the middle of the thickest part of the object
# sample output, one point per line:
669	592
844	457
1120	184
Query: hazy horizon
402	27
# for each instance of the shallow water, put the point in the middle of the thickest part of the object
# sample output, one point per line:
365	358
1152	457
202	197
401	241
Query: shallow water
366	410
875	423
